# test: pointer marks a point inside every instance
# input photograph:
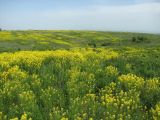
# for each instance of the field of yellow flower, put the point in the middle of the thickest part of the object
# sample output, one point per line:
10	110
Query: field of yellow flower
81	84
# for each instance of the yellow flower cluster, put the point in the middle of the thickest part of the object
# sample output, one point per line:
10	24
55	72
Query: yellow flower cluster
131	81
23	117
111	71
156	112
80	84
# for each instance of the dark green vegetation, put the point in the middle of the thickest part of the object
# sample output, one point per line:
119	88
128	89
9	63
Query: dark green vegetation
97	75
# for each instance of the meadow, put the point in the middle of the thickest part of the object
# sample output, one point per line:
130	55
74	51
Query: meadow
79	75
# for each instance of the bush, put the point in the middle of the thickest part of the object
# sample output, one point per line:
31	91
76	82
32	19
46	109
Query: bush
150	94
139	39
92	44
133	39
88	84
106	44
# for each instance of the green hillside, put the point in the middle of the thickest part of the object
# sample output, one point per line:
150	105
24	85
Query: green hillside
79	75
51	40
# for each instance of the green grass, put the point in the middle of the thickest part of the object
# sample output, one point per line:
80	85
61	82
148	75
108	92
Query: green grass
51	40
79	75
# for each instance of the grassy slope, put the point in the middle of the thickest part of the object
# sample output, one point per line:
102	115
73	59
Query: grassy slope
120	82
51	40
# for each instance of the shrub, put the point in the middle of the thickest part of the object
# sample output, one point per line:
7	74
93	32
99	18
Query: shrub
92	45
133	39
156	112
139	39
150	93
89	84
131	81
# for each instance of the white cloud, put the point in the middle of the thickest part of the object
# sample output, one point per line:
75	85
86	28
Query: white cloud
147	1
140	17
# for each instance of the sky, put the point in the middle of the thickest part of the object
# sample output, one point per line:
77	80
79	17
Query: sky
107	15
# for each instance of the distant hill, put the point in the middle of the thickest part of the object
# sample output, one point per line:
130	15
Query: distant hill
66	39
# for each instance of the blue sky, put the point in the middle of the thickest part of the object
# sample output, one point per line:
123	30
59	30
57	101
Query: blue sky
109	15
